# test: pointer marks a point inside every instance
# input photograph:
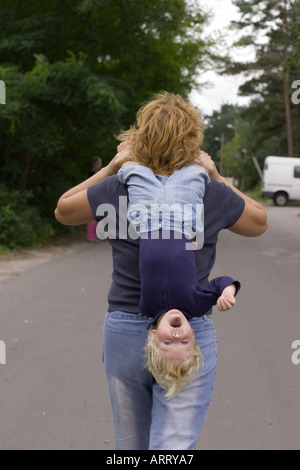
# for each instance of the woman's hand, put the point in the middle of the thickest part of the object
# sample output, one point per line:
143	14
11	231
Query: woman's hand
206	161
124	154
253	221
73	207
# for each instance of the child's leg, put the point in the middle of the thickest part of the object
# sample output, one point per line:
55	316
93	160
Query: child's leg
186	187
144	190
141	182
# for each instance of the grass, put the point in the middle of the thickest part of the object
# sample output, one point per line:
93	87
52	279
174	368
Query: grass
255	193
3	250
76	234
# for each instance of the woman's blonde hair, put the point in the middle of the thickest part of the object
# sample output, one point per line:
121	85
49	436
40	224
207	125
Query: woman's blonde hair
167	135
172	376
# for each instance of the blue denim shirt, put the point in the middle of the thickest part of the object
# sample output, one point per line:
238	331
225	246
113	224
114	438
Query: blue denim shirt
170	203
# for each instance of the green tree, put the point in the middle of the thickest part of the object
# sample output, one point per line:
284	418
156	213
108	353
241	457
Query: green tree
272	70
54	113
220	129
151	46
229	139
75	74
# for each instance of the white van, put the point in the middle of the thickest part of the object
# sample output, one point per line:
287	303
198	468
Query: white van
281	179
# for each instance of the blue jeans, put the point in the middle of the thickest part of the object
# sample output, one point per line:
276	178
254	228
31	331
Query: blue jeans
143	418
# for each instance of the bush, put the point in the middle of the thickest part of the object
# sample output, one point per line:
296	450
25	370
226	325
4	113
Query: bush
20	223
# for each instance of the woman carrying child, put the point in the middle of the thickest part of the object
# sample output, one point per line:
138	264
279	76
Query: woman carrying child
143	417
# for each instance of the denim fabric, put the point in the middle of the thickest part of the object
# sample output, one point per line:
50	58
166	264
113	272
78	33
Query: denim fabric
143	418
169	203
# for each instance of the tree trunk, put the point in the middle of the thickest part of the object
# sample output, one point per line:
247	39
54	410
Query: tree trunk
287	98
288	112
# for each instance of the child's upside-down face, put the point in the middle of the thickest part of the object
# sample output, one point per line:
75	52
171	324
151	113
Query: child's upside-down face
173	336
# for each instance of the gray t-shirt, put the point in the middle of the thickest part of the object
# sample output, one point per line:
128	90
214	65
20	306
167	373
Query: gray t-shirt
108	200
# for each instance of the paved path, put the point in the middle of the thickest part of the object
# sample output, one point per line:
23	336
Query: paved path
52	388
257	395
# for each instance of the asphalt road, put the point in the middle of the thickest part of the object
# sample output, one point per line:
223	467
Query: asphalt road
52	387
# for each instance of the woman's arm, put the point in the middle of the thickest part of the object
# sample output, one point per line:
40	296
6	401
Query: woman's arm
73	207
253	221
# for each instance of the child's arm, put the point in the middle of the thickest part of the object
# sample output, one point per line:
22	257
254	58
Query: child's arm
227	300
225	289
208	295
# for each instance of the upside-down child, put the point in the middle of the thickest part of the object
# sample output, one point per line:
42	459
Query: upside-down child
170	293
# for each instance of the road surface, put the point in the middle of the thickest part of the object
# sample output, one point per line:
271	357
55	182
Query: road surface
52	387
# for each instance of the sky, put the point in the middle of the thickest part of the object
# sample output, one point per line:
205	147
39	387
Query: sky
222	89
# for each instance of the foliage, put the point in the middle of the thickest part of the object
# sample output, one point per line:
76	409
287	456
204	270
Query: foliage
229	136
55	112
273	29
269	124
20	223
75	74
77	71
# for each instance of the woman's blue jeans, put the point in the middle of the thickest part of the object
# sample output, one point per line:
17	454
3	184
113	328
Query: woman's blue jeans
143	418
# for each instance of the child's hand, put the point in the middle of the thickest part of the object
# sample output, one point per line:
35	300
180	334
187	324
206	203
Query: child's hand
227	300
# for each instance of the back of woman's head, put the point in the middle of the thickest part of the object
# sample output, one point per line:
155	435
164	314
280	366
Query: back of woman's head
167	135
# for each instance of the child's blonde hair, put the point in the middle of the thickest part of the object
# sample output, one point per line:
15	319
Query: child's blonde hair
172	376
167	135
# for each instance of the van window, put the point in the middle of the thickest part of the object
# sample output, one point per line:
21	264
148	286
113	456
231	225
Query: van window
297	171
